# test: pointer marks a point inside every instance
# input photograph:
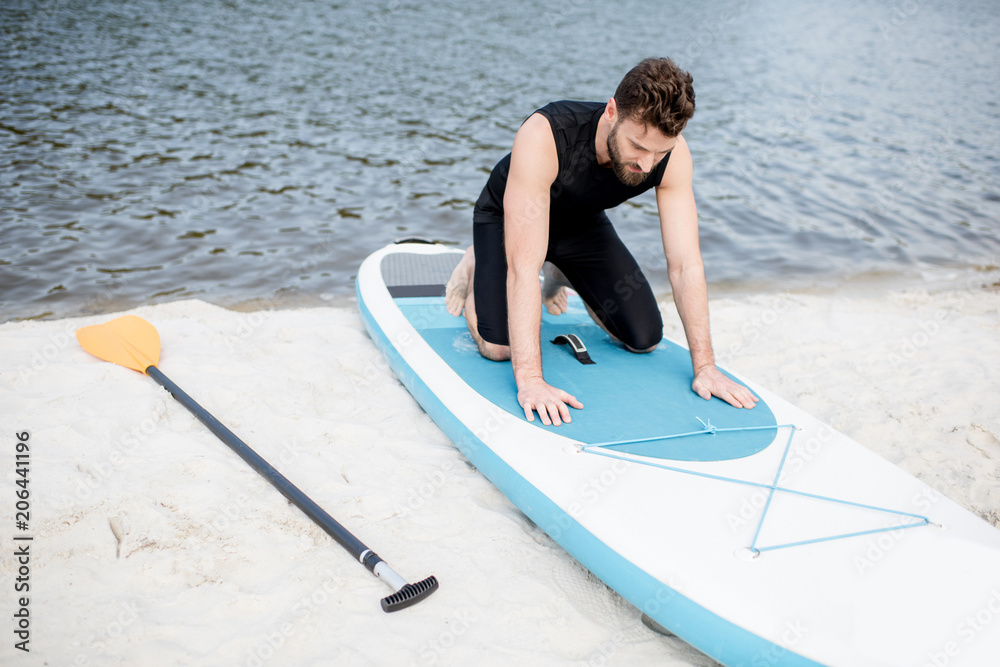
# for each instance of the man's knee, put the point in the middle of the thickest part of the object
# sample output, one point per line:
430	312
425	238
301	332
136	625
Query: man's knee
637	336
643	331
494	352
644	342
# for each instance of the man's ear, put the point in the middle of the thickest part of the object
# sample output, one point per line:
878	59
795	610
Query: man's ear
611	110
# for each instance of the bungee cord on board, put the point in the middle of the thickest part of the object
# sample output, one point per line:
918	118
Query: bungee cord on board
603	449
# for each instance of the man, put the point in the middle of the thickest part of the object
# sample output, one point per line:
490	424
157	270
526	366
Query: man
544	204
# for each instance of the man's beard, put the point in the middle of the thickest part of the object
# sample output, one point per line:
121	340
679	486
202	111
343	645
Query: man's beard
620	167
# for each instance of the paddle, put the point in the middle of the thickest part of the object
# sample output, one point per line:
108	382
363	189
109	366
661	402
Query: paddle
133	342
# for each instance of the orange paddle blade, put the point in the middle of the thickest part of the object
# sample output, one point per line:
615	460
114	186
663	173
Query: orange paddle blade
128	341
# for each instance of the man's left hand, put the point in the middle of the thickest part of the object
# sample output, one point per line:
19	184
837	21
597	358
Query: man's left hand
709	381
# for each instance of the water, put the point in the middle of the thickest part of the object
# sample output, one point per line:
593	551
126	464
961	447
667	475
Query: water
251	154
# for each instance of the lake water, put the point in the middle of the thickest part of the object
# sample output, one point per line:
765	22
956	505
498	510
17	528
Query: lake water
251	154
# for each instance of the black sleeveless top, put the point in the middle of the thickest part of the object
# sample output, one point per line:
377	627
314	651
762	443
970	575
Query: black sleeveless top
583	189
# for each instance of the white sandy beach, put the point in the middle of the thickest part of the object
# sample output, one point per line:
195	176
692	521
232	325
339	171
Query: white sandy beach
154	544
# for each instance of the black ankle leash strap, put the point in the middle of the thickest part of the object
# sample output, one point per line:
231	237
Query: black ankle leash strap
575	345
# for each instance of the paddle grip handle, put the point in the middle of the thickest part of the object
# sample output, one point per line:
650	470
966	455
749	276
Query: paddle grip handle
342	536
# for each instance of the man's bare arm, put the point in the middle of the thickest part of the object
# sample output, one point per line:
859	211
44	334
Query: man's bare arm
679	228
534	165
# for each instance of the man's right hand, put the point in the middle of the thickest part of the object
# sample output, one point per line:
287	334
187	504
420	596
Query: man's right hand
537	395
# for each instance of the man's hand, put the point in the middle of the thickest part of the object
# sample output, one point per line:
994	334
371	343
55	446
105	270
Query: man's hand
536	395
709	381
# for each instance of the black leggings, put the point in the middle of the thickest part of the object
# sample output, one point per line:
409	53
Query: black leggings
598	266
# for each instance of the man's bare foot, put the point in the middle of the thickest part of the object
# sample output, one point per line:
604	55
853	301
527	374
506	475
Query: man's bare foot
554	290
457	289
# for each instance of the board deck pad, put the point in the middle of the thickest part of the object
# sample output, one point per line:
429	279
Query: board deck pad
627	397
411	275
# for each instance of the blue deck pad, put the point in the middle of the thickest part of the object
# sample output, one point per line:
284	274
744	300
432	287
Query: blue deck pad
626	396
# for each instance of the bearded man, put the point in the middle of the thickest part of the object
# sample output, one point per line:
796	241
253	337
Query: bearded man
543	211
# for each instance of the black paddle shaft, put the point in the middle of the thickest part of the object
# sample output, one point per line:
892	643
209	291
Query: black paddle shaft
343	537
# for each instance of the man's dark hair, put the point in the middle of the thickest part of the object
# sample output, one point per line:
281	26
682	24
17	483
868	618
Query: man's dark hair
657	92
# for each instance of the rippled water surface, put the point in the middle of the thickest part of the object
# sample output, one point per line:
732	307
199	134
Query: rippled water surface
253	153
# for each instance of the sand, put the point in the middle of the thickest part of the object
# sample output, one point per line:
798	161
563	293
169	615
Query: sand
153	544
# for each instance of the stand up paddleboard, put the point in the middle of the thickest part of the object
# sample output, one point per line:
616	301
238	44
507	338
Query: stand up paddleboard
760	537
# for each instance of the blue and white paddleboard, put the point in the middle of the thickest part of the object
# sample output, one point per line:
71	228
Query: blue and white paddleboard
760	537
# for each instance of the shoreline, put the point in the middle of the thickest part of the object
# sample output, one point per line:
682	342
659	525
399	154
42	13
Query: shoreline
985	273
